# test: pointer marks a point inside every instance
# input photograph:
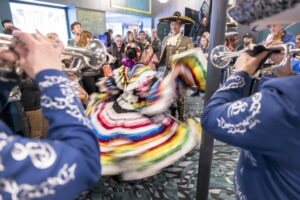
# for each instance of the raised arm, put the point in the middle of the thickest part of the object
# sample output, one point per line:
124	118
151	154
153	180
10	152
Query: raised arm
253	123
67	161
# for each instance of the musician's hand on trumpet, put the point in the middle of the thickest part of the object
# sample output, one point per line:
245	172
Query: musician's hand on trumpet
93	56
249	64
276	58
36	53
280	54
285	70
8	55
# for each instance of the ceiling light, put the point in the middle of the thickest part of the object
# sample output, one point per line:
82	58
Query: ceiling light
163	1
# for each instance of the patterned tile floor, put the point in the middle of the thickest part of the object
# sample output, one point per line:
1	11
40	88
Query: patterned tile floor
177	182
223	163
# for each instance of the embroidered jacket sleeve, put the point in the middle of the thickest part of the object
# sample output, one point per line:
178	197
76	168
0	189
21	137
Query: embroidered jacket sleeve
256	123
295	65
62	165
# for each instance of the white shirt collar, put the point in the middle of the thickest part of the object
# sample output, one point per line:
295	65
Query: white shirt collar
172	40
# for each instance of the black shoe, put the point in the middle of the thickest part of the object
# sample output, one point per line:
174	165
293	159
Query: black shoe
196	93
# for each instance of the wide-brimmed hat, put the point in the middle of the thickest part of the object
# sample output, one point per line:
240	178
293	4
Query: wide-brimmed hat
177	17
259	14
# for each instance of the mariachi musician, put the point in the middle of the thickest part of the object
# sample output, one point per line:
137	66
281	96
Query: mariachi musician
265	125
66	162
277	33
172	44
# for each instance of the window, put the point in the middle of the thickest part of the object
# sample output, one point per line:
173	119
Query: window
116	27
45	19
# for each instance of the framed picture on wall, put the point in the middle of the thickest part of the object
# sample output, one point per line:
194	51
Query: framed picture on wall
193	14
204	10
116	27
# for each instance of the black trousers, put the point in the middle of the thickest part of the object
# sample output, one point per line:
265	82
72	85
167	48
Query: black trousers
89	83
15	118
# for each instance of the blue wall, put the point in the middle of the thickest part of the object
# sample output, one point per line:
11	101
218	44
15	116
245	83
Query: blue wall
5	10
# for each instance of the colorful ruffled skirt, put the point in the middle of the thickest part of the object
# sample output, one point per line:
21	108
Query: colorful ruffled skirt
136	138
136	146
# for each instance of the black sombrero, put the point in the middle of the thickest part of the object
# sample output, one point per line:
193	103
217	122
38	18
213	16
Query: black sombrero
259	14
177	18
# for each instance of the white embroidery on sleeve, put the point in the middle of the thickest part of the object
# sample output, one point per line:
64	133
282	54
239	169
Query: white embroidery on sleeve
236	108
4	140
241	106
67	102
42	155
233	82
46	188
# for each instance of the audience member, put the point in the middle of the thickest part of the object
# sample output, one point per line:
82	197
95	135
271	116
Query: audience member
109	38
135	34
117	50
277	33
204	45
129	38
155	43
149	58
8	26
201	27
143	42
76	29
248	42
89	75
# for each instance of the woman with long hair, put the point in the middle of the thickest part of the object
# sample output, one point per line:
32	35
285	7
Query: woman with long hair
204	44
89	76
85	38
129	38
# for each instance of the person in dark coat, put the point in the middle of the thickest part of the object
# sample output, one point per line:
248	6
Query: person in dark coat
117	50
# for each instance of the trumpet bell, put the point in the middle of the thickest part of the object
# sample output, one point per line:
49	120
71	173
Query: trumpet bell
96	51
94	55
218	57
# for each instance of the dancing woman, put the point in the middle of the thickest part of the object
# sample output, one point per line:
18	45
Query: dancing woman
137	139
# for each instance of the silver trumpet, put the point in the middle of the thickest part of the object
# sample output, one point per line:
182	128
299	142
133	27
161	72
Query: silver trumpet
94	55
220	56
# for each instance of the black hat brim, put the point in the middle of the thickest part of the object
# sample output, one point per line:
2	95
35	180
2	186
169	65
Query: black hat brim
182	19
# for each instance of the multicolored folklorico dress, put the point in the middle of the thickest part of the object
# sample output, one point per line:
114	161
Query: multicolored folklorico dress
136	138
